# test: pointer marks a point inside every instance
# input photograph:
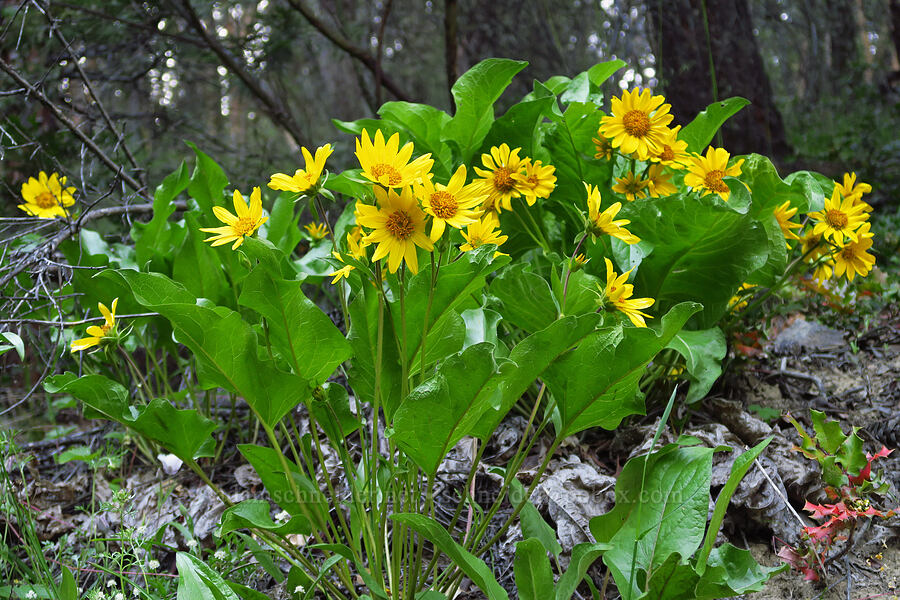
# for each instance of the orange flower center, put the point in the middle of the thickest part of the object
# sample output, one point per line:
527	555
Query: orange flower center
713	181
847	253
836	219
667	153
393	175
105	327
633	186
244	226
400	225
475	241
46	200
443	204
636	123
503	182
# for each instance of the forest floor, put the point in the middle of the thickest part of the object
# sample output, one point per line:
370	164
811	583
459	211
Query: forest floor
852	377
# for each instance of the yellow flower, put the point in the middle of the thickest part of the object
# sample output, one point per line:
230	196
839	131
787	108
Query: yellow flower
398	226
706	173
343	272
604	147
783	214
317	231
853	258
483	231
578	262
303	179
536	182
46	197
672	152
811	245
840	218
356	246
453	204
823	271
388	164
851	188
98	333
739	300
616	295
237	227
603	223
497	180
631	186
638	123
659	183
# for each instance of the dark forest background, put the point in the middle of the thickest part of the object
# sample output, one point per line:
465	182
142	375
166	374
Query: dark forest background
250	81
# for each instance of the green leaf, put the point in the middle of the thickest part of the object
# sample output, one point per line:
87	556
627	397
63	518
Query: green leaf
534	580
153	238
518	127
68	590
672	580
283	230
481	326
362	570
739	468
15	342
667	516
472	566
583	556
185	433
300	332
703	251
599	73
249	514
474	94
198	581
198	266
208	181
533	524
442	410
331	410
532	356
732	571
703	352
76	453
700	132
592	397
528	302
224	345
424	125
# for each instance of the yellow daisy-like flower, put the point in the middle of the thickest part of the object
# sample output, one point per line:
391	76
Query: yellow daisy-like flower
604	148
357	249
239	226
851	188
47	197
616	295
739	300
658	183
811	245
483	231
783	214
672	152
823	271
317	231
631	186
497	180
387	164
98	333
303	179
707	172
853	258
604	223
538	181
840	218
398	226
455	204
638	123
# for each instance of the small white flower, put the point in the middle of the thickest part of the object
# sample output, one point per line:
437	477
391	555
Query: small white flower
111	583
192	544
141	530
31	595
119	596
299	589
219	555
153	564
100	595
283	516
136	591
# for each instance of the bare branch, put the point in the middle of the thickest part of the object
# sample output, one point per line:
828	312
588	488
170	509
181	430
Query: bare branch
273	106
350	48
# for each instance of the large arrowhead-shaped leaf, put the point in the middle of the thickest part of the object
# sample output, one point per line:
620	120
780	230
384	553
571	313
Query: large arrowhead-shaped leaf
442	410
699	132
593	396
527	300
224	344
208	181
667	515
301	333
703	251
152	239
474	94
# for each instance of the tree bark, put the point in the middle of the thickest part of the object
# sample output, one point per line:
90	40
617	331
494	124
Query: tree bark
684	52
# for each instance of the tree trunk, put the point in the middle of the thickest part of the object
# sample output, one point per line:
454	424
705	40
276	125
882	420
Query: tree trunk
684	70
